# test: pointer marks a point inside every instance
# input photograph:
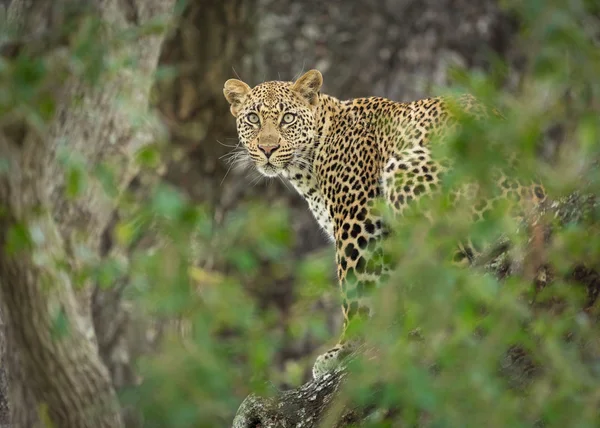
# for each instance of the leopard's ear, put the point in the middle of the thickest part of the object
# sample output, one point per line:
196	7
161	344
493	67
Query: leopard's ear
235	92
308	86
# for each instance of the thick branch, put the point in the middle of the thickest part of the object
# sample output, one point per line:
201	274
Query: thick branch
304	407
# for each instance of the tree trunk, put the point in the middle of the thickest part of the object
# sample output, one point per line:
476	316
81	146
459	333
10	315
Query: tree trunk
56	374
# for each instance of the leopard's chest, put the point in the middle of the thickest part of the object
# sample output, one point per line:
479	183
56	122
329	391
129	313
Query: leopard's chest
309	188
318	207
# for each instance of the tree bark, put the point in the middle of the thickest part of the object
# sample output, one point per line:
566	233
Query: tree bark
305	406
56	374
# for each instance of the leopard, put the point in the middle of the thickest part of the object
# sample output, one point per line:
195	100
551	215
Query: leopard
342	157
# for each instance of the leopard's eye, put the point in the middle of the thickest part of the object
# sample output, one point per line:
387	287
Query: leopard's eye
253	118
288	118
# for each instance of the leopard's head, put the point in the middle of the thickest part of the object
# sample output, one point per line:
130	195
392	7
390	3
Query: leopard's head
276	120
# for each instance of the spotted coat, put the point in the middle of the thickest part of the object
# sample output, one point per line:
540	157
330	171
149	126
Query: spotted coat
341	156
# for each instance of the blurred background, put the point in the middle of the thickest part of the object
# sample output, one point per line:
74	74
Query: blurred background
262	237
402	50
262	301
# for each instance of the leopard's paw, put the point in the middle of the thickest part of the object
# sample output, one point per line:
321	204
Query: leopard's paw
329	361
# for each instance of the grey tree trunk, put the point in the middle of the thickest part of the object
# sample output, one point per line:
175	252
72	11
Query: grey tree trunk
56	374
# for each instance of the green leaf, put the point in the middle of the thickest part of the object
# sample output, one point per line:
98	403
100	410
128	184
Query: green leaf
243	259
76	180
167	202
4	166
18	239
104	174
148	156
60	325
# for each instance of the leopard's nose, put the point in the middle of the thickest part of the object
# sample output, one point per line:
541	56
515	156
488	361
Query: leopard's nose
268	149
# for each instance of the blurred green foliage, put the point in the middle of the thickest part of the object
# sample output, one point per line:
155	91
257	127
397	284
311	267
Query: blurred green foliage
455	369
208	278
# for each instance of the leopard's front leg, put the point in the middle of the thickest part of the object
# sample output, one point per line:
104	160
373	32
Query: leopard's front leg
360	267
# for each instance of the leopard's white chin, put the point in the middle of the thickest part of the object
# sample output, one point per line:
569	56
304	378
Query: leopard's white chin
269	170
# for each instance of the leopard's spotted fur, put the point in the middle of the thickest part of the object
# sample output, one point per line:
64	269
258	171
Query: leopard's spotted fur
343	155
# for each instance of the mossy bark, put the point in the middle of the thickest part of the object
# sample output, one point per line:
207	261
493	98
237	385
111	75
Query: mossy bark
56	375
